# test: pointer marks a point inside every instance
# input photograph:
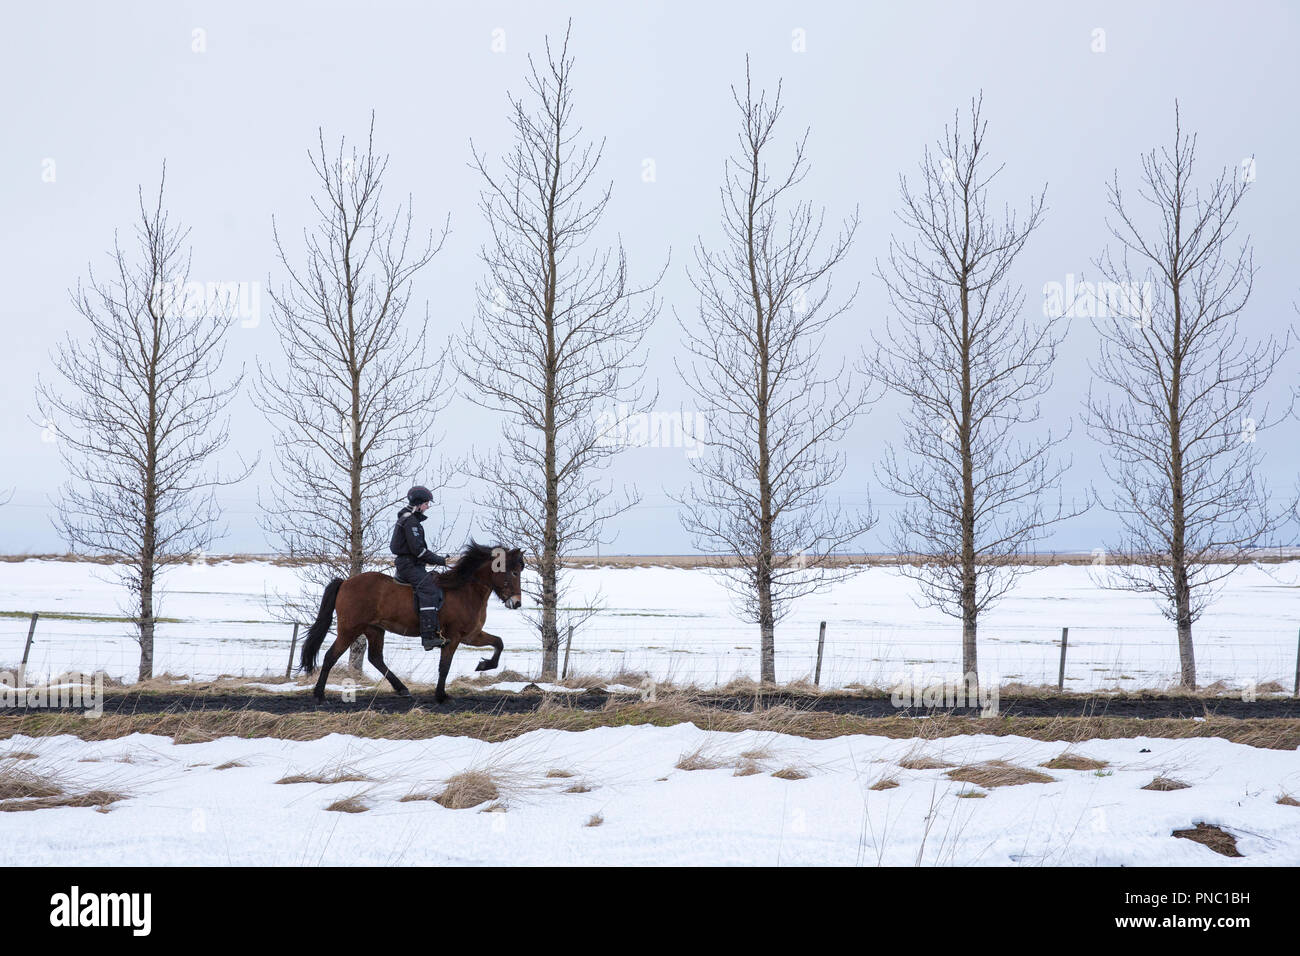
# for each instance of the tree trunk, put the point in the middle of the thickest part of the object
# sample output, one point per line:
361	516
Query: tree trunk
1178	533
146	623
356	544
969	608
766	627
550	545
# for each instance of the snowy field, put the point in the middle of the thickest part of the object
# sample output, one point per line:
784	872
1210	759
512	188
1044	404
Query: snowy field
180	808
678	624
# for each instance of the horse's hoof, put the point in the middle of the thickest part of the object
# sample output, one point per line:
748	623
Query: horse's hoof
485	665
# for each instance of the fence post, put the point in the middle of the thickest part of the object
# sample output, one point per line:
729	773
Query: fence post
1065	639
288	671
564	674
31	632
821	643
1295	693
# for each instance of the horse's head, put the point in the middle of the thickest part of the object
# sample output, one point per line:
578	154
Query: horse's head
507	573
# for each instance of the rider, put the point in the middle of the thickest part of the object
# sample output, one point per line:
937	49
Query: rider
412	557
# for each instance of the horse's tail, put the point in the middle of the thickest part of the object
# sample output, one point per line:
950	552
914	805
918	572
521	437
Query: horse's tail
324	618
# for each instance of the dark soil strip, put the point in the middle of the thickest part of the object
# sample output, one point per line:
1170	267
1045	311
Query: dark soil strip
383	701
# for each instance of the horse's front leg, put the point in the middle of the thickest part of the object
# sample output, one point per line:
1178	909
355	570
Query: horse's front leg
489	640
444	665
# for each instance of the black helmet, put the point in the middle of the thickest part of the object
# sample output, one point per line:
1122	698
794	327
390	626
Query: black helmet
419	495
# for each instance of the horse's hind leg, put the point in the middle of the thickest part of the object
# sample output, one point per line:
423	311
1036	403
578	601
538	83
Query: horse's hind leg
489	663
337	650
375	643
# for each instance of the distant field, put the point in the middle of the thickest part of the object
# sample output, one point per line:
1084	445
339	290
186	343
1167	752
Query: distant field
1043	559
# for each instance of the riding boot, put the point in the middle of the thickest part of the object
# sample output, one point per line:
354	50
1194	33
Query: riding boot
429	636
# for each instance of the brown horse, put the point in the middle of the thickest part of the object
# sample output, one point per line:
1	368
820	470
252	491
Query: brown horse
371	603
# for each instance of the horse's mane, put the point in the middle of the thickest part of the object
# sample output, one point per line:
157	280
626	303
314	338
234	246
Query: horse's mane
467	565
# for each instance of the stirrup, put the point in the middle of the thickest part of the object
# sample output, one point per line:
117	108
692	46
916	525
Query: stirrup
434	642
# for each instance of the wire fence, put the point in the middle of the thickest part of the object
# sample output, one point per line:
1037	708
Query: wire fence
703	651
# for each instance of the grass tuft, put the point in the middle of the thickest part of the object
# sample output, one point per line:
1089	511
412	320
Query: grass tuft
336	776
790	773
923	763
698	760
1165	784
352	804
468	789
1216	838
997	773
1072	761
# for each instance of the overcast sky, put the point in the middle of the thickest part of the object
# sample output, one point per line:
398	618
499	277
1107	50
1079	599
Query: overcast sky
97	96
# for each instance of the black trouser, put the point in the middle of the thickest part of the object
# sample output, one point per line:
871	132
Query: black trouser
427	593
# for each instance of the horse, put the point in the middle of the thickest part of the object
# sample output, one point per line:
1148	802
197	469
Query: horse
371	603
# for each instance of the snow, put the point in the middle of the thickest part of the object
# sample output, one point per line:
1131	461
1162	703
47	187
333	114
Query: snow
518	686
289	688
679	625
181	810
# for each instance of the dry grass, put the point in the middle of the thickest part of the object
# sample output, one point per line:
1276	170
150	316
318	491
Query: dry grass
578	788
747	768
1216	838
885	783
231	765
791	773
200	726
1166	784
557	773
923	763
99	799
997	773
16	784
698	760
594	820
353	804
1288	801
18	755
972	795
341	775
469	788
22	790
1072	761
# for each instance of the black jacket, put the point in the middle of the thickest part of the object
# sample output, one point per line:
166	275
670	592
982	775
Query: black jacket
408	539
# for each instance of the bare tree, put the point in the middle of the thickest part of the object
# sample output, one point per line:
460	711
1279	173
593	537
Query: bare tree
556	337
139	415
774	412
977	485
358	397
1179	408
